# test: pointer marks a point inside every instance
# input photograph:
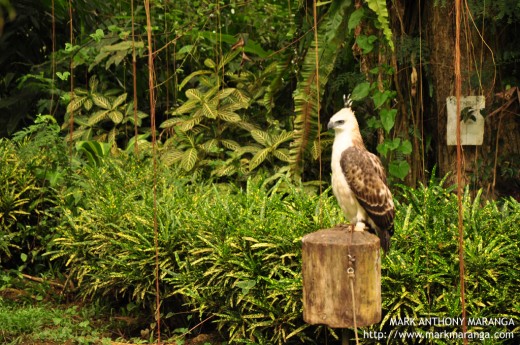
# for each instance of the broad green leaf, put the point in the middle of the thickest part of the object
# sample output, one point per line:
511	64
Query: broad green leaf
93	150
124	46
360	91
281	138
112	135
366	43
258	158
225	170
191	76
380	98
170	123
282	154
101	101
246	285
240	98
141	139
355	18
399	168
388	145
225	92
97	117
210	146
186	107
261	137
185	49
209	110
116	116
230	144
229	116
75	104
170	157
194	94
189	123
388	118
406	147
88	104
119	100
189	158
210	63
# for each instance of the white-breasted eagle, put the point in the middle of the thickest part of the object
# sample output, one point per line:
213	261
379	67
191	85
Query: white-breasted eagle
359	180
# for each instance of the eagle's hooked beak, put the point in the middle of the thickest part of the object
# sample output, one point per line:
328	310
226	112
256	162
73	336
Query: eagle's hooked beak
333	124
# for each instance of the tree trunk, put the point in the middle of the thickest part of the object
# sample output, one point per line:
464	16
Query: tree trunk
440	36
481	164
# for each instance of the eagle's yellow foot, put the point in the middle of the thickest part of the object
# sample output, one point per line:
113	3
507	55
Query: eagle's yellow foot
360	226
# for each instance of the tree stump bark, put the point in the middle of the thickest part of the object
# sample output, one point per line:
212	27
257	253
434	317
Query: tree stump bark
334	261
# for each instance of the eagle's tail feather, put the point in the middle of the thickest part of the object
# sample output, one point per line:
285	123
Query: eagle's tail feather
384	238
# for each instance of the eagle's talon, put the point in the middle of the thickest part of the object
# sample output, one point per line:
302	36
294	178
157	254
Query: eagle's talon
360	226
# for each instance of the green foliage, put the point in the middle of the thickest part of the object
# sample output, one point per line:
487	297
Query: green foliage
30	169
235	254
37	324
244	261
392	149
102	116
225	251
421	274
205	129
379	7
18	190
314	77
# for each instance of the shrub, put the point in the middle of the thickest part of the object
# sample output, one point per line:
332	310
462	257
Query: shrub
31	167
225	251
234	255
420	276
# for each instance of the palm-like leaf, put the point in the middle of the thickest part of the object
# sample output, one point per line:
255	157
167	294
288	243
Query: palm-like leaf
331	34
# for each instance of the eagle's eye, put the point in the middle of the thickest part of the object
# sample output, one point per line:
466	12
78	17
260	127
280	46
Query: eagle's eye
340	122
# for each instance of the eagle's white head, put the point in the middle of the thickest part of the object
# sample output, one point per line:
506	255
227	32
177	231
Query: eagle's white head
346	128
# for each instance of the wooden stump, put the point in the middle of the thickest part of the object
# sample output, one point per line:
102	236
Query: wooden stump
327	293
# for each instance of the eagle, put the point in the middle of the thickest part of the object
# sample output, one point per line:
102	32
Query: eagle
359	179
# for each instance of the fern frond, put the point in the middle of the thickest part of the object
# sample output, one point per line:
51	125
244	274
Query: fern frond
379	7
331	34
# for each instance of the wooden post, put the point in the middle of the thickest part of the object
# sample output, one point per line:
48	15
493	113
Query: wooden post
327	274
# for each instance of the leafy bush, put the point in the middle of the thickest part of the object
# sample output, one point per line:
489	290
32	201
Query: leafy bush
421	273
234	255
31	166
228	252
244	264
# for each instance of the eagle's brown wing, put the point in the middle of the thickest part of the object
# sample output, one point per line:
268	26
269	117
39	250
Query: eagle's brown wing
366	177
